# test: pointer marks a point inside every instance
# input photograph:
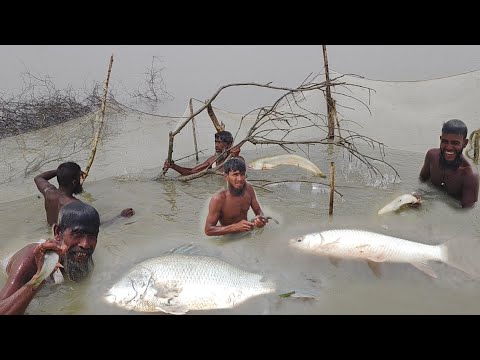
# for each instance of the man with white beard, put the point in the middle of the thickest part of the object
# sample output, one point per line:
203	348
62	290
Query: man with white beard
448	168
75	239
230	206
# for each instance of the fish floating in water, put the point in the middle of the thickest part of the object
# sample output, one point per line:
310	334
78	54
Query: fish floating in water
374	248
411	200
177	282
286	159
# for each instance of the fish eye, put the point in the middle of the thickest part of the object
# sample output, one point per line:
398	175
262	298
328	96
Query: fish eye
299	240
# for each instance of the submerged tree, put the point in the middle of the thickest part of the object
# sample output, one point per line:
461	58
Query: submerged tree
274	124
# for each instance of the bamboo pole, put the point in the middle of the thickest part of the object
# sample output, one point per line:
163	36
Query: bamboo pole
330	105
194	134
170	150
100	125
332	187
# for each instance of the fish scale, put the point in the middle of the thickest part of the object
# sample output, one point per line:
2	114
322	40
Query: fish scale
185	282
348	243
373	247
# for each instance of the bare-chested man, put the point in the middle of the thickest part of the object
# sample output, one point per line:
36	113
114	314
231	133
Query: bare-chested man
69	183
230	206
448	168
75	239
223	141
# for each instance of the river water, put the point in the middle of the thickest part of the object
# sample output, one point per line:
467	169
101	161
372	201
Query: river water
405	116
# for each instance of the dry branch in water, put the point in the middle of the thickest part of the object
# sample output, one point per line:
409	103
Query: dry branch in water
274	124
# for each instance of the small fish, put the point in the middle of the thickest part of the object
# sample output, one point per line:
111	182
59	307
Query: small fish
264	218
374	248
412	200
50	260
287	159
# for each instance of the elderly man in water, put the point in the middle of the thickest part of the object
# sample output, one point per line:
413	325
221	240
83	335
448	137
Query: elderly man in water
75	239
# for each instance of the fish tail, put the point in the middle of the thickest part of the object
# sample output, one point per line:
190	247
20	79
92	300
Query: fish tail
446	258
444	253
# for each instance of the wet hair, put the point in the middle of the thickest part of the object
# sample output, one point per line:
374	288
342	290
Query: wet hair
224	136
67	172
455	126
234	164
79	217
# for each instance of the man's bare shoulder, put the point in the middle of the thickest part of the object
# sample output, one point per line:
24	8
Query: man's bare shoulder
433	152
220	196
469	166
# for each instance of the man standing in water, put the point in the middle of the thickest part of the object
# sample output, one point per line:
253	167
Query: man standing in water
75	239
230	207
69	180
448	168
223	141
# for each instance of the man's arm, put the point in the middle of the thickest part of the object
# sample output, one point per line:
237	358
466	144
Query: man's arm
21	285
189	171
214	211
126	213
41	180
260	219
425	172
470	190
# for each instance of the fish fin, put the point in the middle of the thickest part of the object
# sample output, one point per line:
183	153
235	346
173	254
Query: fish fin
423	266
58	276
375	267
174	309
447	260
186	249
334	260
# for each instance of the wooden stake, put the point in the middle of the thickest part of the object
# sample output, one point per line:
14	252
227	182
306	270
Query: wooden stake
194	134
332	187
219	127
100	125
330	105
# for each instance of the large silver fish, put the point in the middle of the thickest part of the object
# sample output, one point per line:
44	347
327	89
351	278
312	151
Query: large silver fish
286	159
176	283
373	247
412	200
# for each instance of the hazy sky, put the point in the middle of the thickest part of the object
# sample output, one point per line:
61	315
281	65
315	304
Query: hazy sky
199	70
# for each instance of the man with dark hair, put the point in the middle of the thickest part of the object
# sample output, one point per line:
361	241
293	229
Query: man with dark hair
230	207
69	183
448	168
223	141
75	239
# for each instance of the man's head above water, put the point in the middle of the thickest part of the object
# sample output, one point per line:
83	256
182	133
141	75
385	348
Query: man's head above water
77	232
223	140
452	142
68	176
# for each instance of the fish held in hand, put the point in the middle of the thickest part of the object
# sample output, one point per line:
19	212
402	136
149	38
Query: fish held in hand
286	159
411	200
50	261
